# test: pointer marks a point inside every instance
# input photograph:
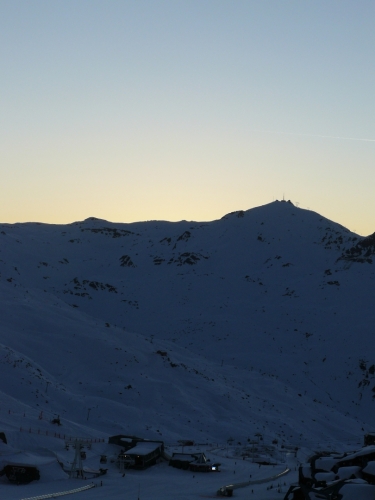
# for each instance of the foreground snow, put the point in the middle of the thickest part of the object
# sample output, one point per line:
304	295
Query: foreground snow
159	481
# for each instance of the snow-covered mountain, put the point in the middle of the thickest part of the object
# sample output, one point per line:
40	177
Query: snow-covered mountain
260	322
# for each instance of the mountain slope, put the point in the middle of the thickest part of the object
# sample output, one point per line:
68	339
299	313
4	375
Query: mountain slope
264	320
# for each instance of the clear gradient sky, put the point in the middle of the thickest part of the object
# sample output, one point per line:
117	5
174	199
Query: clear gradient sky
132	110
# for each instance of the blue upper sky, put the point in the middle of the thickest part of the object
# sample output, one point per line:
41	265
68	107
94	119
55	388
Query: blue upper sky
170	109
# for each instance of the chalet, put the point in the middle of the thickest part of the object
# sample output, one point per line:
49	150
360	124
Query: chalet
369	439
359	458
142	455
136	452
304	492
20	473
196	462
368	473
294	493
305	475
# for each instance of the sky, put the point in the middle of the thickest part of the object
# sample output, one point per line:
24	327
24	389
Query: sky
186	109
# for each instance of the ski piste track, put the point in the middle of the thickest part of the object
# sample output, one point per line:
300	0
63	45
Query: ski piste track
61	493
223	490
230	487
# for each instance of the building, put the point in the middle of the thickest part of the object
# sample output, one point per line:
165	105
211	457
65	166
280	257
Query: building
136	452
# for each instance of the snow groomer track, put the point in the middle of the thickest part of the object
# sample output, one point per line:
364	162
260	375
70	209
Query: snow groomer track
61	493
223	491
